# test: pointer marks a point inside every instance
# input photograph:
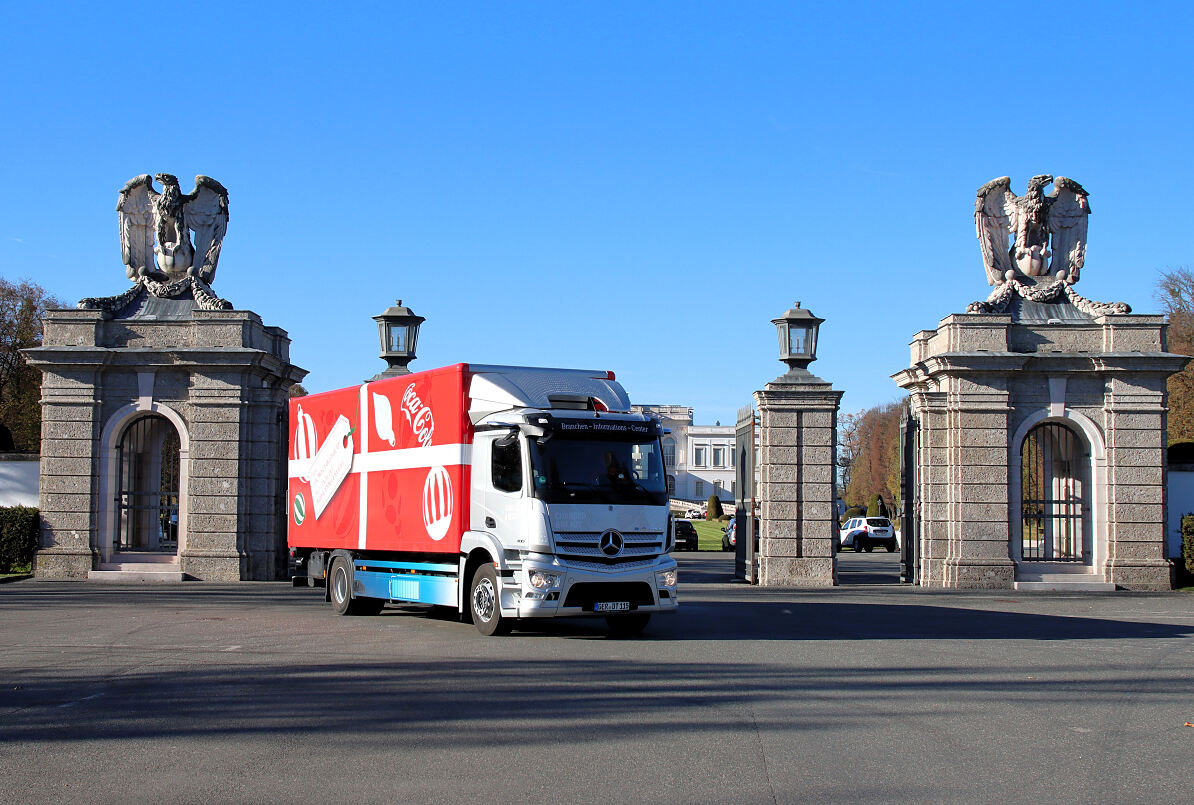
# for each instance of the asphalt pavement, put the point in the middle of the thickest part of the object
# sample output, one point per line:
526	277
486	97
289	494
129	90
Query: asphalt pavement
869	692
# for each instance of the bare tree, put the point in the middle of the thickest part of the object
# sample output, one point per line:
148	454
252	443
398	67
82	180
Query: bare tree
23	305
1175	292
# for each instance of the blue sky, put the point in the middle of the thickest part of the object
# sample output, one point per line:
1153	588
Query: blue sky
631	186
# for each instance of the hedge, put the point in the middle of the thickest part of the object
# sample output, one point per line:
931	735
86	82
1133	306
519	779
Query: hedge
18	536
1186	566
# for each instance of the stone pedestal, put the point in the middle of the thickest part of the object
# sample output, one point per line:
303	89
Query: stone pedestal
980	383
797	450
220	378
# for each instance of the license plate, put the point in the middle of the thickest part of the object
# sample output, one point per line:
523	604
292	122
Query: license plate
611	606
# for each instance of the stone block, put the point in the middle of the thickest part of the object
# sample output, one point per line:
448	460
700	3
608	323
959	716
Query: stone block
779	547
1128	549
1126	493
55	485
796	572
1135	512
214	467
1143	577
1127	533
969	493
61	465
213	504
989	456
979	575
983	437
213	523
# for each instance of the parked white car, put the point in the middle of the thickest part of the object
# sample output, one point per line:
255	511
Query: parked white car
864	533
693	514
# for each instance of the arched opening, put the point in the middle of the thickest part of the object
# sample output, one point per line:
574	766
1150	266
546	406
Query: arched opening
148	486
1055	506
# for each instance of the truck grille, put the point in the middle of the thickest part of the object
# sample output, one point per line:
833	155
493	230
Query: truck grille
585	594
584	546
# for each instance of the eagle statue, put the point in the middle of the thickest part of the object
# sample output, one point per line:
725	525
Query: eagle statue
169	218
1034	245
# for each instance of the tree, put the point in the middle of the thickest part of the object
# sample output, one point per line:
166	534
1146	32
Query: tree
298	390
1175	292
871	456
876	507
713	508
22	308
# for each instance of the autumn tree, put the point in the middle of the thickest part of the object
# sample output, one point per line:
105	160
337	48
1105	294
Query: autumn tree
22	307
1175	292
869	449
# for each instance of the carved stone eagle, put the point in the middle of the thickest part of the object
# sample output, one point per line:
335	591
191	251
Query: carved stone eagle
1034	235
156	228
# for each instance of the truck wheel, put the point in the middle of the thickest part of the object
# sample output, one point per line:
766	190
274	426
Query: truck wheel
627	625
340	589
340	586
483	602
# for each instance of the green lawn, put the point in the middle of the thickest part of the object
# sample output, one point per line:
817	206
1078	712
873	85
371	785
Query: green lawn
709	534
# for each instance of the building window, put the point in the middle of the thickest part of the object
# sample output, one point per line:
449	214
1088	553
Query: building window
671	486
700	489
719	456
698	456
669	451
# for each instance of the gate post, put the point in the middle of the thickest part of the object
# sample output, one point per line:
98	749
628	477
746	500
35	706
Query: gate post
797	462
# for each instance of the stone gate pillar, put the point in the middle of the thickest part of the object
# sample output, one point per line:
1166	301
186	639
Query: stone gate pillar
797	463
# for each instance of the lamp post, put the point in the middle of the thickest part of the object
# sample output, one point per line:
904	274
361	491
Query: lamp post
797	330
398	329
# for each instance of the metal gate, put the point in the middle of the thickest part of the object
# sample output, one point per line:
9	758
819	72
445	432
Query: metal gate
910	494
147	500
1053	501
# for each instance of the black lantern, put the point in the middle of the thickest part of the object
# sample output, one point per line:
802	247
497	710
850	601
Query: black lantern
399	331
797	339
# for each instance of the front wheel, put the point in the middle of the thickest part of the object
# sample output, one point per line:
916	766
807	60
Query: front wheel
627	625
484	603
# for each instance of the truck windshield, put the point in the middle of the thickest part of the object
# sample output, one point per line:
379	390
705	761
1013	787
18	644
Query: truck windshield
595	470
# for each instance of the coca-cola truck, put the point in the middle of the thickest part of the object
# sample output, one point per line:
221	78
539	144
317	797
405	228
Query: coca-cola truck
505	492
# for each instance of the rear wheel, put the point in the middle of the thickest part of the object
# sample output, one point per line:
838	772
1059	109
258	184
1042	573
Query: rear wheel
869	547
340	592
891	546
857	545
627	625
484	603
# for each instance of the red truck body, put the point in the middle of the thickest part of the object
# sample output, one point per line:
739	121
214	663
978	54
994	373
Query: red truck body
383	466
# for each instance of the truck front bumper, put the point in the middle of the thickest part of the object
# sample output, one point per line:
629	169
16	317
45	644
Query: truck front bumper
583	591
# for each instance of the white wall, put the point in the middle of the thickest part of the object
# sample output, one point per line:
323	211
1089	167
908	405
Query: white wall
1181	501
18	481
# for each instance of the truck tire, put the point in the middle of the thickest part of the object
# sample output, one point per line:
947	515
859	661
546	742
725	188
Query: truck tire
340	592
483	603
627	625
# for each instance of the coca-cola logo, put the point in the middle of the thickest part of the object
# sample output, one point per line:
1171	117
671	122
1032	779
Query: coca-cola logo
418	416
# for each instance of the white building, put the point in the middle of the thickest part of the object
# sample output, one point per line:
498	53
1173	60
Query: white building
699	458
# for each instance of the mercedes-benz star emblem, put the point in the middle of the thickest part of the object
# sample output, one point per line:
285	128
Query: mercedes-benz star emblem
611	543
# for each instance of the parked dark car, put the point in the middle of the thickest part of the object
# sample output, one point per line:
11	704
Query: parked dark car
685	534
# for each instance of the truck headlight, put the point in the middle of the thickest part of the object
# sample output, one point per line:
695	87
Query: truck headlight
666	578
543	581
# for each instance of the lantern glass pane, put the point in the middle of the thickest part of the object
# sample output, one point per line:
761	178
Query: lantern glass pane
397	340
799	340
783	339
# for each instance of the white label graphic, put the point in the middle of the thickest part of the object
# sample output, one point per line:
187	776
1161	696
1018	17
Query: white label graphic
331	464
418	416
383	418
437	503
305	439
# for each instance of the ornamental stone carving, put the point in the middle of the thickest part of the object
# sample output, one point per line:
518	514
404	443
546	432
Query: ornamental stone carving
1034	245
169	241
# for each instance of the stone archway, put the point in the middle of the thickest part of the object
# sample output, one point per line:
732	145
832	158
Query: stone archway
147	487
144	448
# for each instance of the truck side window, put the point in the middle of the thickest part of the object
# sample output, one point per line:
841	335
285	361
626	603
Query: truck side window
507	466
